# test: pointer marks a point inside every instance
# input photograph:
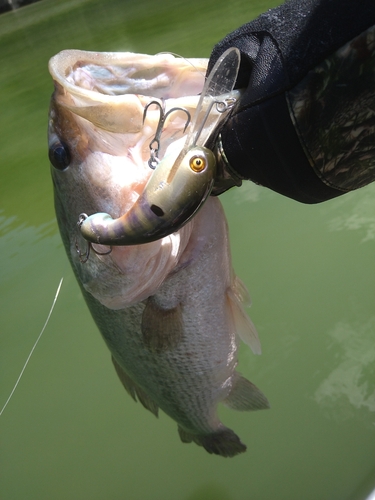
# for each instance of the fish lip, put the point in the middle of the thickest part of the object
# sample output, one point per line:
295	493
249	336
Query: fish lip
63	64
122	111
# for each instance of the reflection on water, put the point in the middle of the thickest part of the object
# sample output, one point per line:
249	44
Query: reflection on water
210	492
7	5
360	217
249	193
348	387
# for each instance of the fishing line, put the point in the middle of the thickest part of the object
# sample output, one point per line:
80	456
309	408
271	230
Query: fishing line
33	348
185	59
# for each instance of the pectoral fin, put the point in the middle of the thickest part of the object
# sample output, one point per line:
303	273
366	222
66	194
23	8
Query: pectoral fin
245	396
134	390
162	329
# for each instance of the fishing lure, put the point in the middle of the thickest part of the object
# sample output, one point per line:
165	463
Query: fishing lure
178	186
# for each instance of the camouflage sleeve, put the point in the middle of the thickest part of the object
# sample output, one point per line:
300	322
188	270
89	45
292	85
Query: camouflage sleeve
305	124
333	111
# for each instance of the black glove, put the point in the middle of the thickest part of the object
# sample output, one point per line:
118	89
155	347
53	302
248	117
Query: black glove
305	124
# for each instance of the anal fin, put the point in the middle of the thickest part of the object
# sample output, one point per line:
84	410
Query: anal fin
134	390
245	396
162	329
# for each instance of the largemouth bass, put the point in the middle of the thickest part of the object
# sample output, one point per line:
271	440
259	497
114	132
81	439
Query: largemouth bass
170	310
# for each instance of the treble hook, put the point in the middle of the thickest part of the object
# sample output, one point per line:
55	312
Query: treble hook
154	151
84	256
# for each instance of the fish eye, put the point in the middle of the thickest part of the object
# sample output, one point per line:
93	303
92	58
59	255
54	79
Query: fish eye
197	163
59	155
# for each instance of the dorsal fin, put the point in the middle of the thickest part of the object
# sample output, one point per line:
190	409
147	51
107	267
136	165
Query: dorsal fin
134	390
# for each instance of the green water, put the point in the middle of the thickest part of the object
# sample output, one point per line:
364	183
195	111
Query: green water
70	431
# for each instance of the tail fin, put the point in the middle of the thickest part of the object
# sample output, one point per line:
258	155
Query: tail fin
223	442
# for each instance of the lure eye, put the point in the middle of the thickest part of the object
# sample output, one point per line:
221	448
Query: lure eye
197	163
59	155
157	210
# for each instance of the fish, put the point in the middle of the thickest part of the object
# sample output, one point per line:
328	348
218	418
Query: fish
171	310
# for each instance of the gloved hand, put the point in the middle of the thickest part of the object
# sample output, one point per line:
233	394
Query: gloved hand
303	126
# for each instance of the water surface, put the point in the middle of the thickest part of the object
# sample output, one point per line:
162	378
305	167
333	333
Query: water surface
71	431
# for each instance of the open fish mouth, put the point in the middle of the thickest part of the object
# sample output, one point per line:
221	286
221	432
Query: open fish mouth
162	110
